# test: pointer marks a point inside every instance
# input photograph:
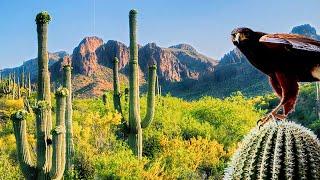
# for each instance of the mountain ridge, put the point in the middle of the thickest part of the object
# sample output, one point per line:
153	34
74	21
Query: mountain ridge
182	70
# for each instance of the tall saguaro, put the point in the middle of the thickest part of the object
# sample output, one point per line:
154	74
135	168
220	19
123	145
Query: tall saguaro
116	86
135	124
69	142
44	124
51	155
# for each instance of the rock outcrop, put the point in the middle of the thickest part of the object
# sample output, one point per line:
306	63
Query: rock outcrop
84	57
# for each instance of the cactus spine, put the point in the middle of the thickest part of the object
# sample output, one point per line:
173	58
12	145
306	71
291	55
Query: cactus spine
135	125
69	142
116	86
282	150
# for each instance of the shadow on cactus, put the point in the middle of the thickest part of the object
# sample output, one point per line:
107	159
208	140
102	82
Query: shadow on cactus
283	150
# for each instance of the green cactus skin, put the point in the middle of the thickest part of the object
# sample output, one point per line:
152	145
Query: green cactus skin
14	86
59	135
19	89
29	169
29	85
45	123
126	95
135	125
22	77
116	87
151	96
105	98
283	150
27	166
68	119
157	86
50	162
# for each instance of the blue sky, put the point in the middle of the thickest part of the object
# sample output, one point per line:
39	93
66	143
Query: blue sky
205	24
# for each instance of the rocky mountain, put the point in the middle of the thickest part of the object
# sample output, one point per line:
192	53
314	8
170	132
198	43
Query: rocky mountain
92	62
181	69
306	30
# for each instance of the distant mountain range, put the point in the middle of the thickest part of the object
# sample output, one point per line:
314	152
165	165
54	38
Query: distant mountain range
92	63
182	70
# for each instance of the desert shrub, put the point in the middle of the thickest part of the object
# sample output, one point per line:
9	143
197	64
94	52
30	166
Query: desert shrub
186	140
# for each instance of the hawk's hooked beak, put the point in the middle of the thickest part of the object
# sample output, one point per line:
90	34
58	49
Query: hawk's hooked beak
236	39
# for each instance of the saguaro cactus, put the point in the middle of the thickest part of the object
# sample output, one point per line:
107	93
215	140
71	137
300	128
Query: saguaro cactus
14	86
30	169
22	77
69	141
27	166
157	87
46	166
282	150
59	135
44	124
29	85
135	125
18	89
116	86
105	98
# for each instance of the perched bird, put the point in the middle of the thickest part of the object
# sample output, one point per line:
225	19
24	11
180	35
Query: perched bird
286	58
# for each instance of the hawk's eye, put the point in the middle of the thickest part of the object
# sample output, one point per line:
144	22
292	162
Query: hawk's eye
246	33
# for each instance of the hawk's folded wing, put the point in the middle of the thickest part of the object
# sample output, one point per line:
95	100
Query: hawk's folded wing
291	41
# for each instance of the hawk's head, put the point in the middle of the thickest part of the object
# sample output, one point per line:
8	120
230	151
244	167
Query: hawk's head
241	35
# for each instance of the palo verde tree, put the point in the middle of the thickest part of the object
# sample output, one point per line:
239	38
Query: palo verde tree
135	124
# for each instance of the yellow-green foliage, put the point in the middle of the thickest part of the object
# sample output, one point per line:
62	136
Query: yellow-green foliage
8	106
187	140
9	168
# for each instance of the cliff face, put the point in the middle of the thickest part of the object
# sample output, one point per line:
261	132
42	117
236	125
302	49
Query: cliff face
84	56
175	63
107	52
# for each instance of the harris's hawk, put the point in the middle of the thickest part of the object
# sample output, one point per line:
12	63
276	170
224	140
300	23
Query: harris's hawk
286	58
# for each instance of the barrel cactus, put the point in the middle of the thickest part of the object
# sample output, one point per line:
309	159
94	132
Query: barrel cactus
283	150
